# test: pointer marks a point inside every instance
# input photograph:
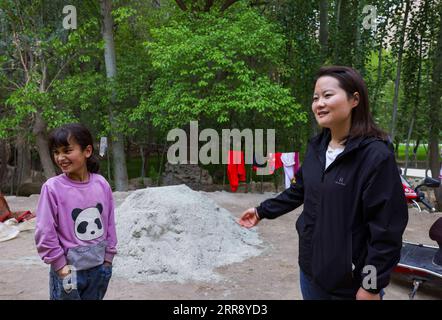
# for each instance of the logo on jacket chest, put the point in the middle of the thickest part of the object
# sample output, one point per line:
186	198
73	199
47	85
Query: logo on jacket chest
340	181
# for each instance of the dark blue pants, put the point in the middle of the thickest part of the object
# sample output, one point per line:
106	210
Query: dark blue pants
90	284
311	291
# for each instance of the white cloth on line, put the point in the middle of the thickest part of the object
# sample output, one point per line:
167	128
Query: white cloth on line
289	173
288	161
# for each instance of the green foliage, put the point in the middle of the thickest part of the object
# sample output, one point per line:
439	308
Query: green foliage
26	101
38	54
213	65
380	85
251	66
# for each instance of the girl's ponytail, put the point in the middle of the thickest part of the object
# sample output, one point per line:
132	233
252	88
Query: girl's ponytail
93	164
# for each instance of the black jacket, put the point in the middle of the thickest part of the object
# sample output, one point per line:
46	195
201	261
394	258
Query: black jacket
354	213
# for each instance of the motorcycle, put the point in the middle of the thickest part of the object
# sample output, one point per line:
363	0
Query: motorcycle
414	196
417	260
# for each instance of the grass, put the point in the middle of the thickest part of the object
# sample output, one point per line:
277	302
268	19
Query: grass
421	153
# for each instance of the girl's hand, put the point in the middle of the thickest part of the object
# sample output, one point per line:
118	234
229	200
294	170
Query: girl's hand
249	218
64	272
365	295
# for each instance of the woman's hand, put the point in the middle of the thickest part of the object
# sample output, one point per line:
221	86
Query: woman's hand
365	295
249	218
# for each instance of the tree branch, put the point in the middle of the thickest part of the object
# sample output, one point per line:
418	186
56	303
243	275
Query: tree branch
19	50
12	82
44	74
227	4
259	3
61	69
181	4
209	4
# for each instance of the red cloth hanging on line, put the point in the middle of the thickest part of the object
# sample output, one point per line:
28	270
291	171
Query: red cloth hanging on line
274	160
236	170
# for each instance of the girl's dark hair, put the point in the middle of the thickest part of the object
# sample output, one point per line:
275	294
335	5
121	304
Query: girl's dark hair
351	81
80	134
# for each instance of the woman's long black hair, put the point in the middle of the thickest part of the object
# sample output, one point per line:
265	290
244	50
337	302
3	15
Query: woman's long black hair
80	134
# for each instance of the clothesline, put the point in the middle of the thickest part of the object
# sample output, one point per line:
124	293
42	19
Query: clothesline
236	172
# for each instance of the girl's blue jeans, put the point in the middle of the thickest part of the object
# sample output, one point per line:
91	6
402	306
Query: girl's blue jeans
90	284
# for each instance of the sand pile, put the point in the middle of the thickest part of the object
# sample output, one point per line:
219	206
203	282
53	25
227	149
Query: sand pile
176	234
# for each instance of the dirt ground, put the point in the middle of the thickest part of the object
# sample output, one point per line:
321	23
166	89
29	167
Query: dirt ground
272	275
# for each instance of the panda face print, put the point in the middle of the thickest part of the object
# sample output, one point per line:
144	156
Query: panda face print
88	223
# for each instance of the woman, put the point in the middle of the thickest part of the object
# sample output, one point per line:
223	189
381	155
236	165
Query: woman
350	231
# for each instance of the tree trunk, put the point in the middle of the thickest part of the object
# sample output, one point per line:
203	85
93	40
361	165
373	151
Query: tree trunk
435	106
23	161
415	107
209	3
148	152
323	29
227	4
344	38
143	161
407	145
4	157
378	81
416	147
39	130
398	71
379	69
181	5
359	54
118	155
338	22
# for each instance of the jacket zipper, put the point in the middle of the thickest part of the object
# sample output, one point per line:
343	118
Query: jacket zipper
328	168
338	158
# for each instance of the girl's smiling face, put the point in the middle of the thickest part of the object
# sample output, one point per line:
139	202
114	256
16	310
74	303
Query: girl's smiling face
71	159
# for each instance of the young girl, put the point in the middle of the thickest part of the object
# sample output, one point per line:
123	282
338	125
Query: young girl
354	215
75	229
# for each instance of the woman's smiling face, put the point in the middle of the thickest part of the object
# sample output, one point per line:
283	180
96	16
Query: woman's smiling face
331	105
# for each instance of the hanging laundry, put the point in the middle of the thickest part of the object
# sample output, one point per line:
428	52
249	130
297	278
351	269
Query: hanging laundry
236	171
297	166
256	165
290	162
274	160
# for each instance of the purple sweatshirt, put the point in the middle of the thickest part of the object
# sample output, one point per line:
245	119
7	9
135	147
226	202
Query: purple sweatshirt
76	222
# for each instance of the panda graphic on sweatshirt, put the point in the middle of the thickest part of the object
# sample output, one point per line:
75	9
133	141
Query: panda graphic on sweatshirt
88	223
